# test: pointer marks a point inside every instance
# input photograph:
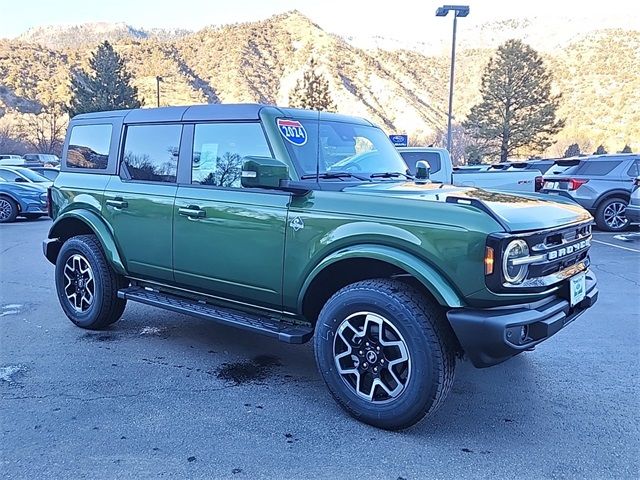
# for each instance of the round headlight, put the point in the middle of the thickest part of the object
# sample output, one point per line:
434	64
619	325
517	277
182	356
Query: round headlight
515	272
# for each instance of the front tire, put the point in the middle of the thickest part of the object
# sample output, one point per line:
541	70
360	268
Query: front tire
8	210
386	353
86	284
610	215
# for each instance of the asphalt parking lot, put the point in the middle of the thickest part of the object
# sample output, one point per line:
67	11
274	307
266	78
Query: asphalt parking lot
165	395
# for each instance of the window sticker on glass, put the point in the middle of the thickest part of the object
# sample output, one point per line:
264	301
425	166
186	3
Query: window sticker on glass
205	161
293	131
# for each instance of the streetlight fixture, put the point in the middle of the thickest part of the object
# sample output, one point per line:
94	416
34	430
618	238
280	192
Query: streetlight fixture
458	11
158	80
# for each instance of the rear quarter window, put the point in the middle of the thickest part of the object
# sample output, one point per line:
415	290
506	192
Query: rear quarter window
634	169
89	146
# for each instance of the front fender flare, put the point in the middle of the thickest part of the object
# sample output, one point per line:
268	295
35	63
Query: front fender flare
426	274
97	226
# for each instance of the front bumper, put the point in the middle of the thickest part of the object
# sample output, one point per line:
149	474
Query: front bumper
51	248
490	336
632	212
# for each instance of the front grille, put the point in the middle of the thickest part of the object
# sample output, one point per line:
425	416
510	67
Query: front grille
560	249
557	254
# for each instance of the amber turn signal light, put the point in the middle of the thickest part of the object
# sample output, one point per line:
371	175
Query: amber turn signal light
488	261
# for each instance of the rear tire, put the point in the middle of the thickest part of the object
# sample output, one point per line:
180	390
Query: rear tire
86	284
8	210
610	215
400	344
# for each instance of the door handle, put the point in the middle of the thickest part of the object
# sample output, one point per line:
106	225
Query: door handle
192	212
117	202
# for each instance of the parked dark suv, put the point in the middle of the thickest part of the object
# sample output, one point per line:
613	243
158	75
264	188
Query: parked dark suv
600	183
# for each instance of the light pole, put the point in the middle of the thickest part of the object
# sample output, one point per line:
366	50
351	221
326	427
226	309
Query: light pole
158	80
458	11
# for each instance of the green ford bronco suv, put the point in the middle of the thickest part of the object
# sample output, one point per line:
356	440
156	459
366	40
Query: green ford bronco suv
299	224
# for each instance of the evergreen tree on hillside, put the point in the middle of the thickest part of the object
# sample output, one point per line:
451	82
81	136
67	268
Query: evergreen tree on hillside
626	149
600	150
517	109
312	91
107	86
572	150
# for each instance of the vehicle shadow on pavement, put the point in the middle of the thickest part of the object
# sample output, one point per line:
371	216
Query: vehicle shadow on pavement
481	401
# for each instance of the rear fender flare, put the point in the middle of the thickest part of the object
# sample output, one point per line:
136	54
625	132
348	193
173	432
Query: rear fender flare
100	229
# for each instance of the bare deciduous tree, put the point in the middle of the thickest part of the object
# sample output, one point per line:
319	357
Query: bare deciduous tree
44	132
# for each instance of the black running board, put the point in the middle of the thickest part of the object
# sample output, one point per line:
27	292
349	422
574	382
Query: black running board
283	331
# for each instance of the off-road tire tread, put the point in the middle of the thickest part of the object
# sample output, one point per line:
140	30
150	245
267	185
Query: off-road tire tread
111	307
431	322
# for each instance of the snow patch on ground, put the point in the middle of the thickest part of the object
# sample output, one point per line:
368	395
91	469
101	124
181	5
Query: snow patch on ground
152	331
7	372
10	309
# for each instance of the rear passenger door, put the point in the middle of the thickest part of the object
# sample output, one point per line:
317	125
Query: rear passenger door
138	203
228	240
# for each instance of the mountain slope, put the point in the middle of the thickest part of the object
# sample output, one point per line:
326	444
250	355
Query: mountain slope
402	90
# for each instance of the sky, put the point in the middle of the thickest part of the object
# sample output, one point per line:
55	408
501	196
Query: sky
399	19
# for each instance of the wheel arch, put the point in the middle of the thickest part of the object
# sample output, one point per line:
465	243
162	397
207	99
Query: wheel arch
617	193
81	222
364	262
12	197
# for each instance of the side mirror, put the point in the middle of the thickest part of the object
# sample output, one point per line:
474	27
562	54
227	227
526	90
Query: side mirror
422	172
263	172
21	180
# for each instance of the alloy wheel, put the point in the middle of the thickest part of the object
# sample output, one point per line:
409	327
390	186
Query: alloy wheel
372	357
614	215
5	209
79	285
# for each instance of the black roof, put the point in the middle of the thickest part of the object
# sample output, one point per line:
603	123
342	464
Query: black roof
218	111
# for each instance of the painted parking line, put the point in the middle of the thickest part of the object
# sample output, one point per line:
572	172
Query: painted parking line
617	246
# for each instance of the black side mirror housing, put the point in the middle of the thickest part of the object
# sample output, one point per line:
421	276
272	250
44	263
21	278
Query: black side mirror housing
263	172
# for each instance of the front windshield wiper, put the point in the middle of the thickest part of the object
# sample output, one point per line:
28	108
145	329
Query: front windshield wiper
391	175
340	175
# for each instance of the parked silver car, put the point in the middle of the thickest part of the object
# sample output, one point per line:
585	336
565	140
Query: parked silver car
600	183
633	209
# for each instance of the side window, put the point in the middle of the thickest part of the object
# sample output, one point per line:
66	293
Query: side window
218	150
151	152
89	146
8	175
634	169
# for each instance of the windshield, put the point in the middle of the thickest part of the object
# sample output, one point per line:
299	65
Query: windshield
345	147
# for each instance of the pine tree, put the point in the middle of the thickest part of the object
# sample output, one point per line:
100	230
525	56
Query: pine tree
474	155
600	150
626	149
572	150
517	109
312	92
107	86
